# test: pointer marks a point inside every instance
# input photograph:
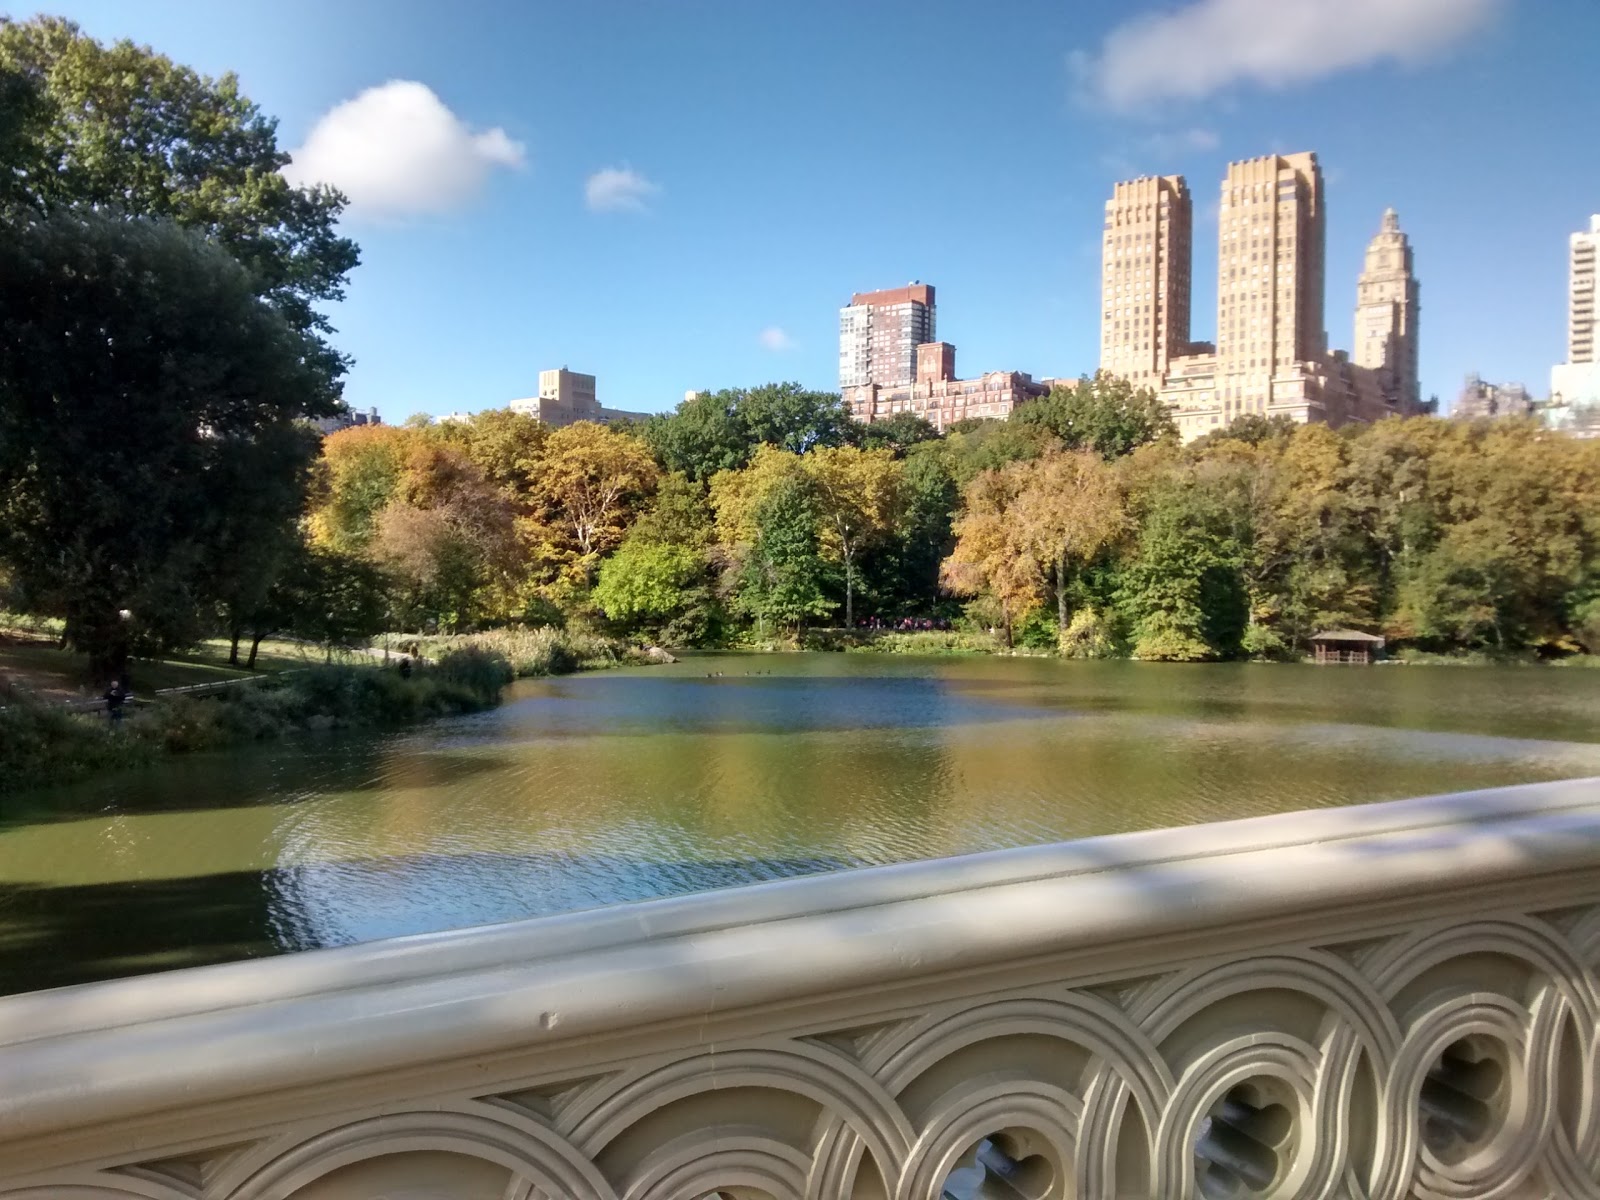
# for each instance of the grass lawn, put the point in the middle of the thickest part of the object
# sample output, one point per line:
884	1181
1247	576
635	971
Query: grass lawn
40	667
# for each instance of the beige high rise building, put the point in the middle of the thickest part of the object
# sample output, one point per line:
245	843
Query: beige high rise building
1271	355
1144	283
1271	240
1581	294
567	397
1387	309
1575	384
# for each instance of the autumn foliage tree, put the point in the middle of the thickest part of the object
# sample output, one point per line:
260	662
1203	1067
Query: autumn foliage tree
587	483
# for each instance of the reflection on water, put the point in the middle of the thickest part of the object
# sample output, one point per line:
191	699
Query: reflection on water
725	770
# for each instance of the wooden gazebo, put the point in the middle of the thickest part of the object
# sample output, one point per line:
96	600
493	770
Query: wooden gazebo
1345	646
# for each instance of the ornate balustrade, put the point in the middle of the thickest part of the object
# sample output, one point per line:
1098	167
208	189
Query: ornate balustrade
1381	1002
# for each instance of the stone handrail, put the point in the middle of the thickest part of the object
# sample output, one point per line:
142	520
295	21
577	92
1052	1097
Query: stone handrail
1398	1000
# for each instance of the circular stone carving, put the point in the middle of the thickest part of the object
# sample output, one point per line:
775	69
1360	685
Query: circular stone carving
1245	1144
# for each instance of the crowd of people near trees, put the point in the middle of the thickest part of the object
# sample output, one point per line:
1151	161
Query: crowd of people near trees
163	357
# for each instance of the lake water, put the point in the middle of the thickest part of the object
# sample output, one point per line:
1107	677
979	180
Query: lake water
727	769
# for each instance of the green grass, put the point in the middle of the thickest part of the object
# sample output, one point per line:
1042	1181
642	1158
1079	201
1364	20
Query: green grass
40	667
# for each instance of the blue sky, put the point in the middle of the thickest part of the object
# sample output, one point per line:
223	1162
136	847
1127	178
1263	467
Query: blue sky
677	194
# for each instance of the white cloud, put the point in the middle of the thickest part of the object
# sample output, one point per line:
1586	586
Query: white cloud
1209	45
397	151
776	339
618	189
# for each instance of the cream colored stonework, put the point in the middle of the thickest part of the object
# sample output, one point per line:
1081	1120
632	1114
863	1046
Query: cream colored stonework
1399	1000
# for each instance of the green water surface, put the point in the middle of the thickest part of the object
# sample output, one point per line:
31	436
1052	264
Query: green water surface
727	769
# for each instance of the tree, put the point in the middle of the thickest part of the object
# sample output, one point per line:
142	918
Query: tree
737	497
898	433
137	368
974	446
707	433
646	581
258	494
784	577
588	482
1183	588
358	474
660	577
1106	414
1251	428
794	419
1069	510
122	128
901	571
329	598
504	444
448	536
859	496
986	559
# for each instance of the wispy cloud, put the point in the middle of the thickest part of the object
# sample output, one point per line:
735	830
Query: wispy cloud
1184	141
396	150
1157	153
619	189
1210	45
775	339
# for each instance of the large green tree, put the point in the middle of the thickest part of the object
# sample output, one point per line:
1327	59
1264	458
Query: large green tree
123	128
145	391
704	435
719	431
1104	413
784	580
797	420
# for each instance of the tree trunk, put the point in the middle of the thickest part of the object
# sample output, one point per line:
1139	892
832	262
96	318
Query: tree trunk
1061	592
255	644
233	647
849	595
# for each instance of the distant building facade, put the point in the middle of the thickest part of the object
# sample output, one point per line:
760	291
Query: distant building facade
1480	399
879	333
937	396
1145	291
347	419
1575	384
1271	354
567	397
1388	306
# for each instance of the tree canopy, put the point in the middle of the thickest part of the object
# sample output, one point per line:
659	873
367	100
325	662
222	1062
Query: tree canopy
1104	413
122	128
720	431
147	396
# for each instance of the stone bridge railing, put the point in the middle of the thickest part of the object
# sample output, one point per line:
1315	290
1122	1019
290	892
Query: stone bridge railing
1392	1001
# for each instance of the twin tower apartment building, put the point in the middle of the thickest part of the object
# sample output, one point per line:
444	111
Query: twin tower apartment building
1271	354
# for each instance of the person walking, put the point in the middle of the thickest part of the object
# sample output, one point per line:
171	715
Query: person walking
116	697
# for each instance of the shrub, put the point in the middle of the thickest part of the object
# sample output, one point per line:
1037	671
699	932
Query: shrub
1262	641
46	743
1089	635
532	653
43	744
484	673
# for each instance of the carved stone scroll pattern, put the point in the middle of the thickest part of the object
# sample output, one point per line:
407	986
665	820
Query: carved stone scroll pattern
1451	1061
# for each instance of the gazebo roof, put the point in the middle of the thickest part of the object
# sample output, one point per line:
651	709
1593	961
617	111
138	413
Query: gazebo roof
1346	635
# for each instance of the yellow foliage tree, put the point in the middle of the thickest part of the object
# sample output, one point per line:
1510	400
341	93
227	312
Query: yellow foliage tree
860	497
986	557
586	484
1070	508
